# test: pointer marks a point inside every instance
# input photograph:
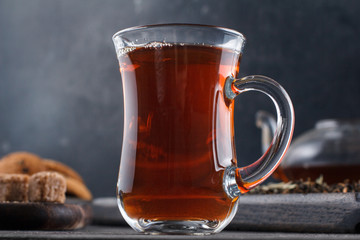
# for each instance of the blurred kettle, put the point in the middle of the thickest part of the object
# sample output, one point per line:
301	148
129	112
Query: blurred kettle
330	149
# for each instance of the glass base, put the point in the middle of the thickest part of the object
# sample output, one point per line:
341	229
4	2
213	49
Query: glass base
179	227
190	226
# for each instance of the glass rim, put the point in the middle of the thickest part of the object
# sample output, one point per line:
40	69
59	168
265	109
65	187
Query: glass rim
189	25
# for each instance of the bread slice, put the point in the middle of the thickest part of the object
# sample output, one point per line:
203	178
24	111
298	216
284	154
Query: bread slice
14	187
47	187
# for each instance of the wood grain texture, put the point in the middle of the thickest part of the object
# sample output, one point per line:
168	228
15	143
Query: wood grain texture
330	213
44	216
118	232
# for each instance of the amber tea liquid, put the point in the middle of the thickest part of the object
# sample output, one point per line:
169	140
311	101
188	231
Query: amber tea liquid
178	136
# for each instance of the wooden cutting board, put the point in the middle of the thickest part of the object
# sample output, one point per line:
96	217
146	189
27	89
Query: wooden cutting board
330	213
44	216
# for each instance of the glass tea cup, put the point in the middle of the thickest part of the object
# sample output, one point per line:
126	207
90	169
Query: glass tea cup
178	171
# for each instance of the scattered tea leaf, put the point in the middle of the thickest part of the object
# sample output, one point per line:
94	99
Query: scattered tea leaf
308	186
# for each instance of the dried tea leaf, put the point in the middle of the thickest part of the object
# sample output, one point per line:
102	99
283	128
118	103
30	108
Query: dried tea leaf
320	180
308	186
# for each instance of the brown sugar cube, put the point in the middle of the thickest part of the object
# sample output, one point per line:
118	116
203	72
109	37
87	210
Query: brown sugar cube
14	187
47	187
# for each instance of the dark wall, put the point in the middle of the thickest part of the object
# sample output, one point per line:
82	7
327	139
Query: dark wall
61	93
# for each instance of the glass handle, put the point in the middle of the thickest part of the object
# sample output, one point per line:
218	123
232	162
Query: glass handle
252	175
267	123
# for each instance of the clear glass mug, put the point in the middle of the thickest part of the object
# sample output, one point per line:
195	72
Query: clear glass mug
178	171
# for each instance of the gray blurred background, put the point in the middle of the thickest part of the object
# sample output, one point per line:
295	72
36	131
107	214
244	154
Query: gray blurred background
60	88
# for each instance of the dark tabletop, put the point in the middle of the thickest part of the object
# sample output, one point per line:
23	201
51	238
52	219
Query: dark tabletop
116	232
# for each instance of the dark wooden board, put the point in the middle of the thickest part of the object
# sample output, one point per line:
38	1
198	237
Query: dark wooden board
44	216
327	213
94	232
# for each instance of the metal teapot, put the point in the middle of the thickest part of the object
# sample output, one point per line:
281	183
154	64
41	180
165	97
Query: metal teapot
331	149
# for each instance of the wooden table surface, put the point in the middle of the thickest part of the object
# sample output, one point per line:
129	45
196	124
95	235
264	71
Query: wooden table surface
117	232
